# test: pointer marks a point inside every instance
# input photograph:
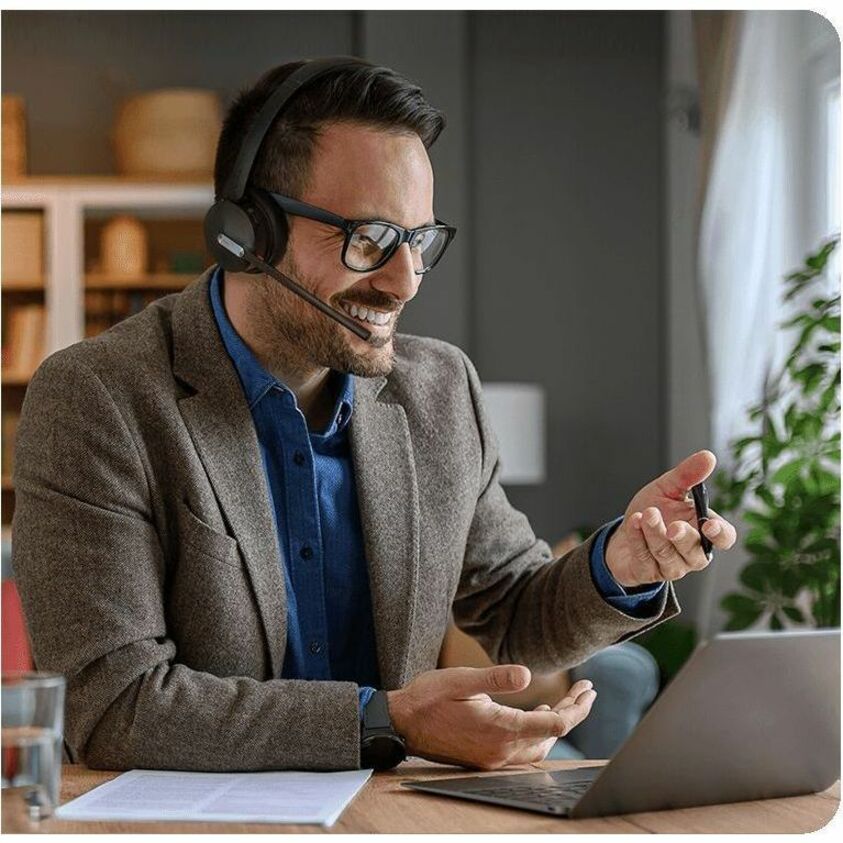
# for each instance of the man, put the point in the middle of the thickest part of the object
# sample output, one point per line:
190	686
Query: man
239	523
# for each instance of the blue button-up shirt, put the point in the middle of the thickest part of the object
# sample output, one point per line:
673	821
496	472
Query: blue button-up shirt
310	478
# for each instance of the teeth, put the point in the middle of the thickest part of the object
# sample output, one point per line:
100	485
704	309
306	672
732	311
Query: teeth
374	317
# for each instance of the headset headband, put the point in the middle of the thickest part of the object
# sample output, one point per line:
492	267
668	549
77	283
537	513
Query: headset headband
235	184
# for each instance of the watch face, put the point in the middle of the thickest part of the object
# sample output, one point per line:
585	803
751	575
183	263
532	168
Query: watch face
382	752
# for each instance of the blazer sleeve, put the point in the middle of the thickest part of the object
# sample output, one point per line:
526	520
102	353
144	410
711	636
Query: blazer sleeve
92	573
522	605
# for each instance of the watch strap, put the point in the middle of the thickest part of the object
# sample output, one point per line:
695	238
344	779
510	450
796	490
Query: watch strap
376	713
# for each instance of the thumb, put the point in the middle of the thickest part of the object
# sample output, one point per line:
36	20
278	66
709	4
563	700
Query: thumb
692	470
498	679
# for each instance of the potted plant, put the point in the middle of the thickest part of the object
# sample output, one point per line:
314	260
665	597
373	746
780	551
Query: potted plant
785	479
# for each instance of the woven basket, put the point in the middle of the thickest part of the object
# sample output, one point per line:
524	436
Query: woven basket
169	132
14	137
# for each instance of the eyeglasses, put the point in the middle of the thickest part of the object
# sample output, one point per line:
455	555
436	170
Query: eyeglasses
369	244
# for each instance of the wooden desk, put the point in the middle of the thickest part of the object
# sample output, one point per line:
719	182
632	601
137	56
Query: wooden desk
384	806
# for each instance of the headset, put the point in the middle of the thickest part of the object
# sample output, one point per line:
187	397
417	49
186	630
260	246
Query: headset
245	230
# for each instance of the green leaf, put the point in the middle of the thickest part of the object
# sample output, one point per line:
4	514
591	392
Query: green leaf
794	614
740	604
766	496
829	348
759	576
775	623
831	323
786	474
791	582
757	518
741	445
809	376
791	417
801	319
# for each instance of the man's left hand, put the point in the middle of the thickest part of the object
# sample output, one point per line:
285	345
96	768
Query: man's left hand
658	538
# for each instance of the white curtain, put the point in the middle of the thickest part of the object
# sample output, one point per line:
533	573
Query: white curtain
751	235
749	229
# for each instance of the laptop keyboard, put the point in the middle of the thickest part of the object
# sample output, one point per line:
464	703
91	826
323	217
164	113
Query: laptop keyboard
542	794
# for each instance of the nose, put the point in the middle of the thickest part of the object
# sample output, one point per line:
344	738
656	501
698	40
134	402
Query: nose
396	277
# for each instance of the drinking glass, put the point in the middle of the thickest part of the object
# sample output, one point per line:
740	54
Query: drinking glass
32	732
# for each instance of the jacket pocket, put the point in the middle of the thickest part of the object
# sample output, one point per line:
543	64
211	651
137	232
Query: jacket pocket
204	538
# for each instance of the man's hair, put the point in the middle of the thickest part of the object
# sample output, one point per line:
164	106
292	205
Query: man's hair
374	96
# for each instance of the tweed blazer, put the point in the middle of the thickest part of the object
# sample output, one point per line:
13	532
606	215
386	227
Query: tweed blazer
151	576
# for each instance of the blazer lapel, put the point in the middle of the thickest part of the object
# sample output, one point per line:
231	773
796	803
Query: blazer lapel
387	495
221	427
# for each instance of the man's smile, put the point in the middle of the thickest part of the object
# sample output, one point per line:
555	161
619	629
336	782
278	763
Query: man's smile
377	318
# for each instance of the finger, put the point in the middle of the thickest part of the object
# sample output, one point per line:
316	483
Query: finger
687	541
675	482
575	714
498	679
542	707
646	568
721	533
573	692
572	699
545	722
671	565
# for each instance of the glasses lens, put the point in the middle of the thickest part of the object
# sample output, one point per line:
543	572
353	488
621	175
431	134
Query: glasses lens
427	246
369	245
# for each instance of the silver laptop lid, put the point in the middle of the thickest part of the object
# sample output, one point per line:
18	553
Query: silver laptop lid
751	715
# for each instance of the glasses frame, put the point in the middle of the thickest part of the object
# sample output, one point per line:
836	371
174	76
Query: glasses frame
311	212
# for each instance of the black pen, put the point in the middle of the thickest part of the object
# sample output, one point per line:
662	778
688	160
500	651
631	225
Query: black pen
700	495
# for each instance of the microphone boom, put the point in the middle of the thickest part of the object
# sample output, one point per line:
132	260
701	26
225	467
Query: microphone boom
344	320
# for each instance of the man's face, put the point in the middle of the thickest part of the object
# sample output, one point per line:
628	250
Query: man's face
358	173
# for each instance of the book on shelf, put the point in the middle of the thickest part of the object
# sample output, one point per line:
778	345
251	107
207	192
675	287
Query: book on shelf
23	248
24	341
104	308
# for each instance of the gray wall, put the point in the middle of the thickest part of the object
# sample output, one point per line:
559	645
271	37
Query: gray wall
568	287
688	410
73	68
551	166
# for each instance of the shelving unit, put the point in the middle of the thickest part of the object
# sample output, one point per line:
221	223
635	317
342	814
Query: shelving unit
65	203
153	281
23	285
74	210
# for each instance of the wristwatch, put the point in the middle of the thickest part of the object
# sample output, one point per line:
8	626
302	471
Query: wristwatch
381	747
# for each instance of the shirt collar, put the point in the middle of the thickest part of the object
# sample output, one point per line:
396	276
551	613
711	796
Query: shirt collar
256	381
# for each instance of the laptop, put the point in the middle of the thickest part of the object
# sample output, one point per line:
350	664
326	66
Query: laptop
751	715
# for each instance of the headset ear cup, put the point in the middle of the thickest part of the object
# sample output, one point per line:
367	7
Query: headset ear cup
270	225
227	217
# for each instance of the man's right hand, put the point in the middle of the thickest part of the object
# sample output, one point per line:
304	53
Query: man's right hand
448	716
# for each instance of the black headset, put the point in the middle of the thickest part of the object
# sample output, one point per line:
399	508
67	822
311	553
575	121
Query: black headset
243	213
245	230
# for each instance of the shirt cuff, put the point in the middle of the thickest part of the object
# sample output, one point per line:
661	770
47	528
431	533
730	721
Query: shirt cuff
642	601
364	694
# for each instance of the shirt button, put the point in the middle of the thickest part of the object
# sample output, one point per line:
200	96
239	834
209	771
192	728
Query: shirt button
306	552
298	458
315	648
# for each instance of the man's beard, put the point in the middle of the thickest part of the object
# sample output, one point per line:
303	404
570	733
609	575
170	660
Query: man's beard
297	336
